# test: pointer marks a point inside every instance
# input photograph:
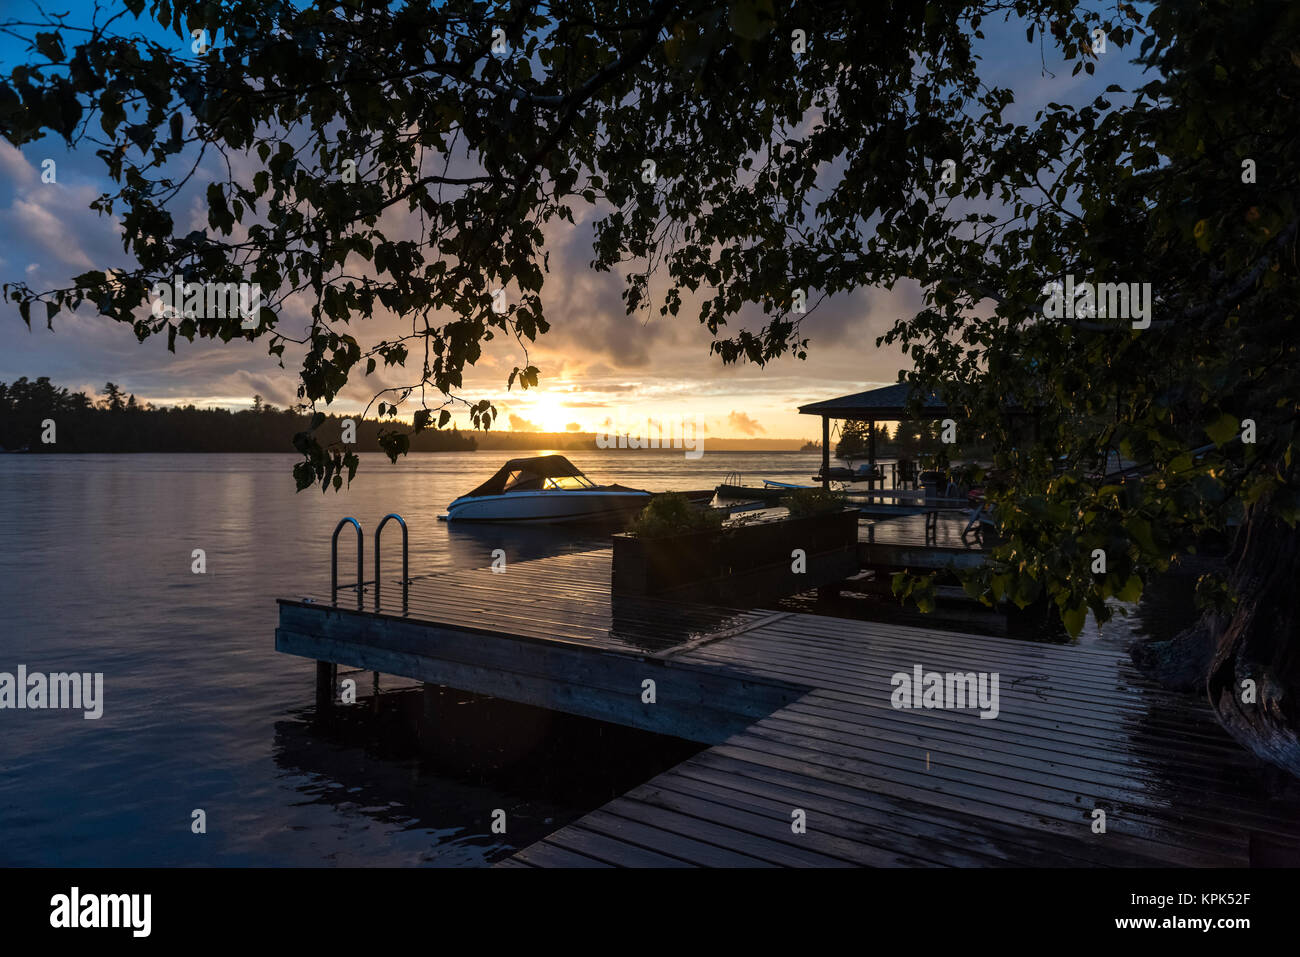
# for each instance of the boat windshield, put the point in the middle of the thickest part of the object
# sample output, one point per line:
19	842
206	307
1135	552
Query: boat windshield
522	480
569	482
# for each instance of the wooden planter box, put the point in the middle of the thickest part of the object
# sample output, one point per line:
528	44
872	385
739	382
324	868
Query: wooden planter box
744	564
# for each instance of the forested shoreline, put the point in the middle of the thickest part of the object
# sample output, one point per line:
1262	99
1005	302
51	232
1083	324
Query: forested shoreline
40	417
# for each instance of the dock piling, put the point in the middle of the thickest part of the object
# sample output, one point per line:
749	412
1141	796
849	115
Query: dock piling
327	673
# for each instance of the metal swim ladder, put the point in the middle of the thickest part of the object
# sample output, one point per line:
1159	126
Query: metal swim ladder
361	545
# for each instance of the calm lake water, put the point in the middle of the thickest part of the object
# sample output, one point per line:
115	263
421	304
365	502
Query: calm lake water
201	712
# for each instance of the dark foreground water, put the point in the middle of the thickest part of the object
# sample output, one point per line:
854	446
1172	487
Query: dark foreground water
200	712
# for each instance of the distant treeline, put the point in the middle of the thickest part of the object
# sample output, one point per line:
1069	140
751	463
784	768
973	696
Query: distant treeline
518	441
117	423
908	440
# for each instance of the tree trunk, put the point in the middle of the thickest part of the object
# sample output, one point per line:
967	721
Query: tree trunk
1257	642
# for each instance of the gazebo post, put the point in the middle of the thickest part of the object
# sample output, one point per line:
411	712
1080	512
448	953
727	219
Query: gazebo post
871	454
826	451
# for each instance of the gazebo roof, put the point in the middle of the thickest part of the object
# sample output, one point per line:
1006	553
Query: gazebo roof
889	402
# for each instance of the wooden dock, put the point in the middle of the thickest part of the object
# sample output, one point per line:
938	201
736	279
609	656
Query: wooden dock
545	633
796	710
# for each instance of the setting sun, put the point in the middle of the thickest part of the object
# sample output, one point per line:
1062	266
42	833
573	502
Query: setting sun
546	413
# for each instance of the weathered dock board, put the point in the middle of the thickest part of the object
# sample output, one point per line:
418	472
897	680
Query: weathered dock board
797	712
1077	730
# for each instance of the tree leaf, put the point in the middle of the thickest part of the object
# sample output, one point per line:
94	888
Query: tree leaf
1222	429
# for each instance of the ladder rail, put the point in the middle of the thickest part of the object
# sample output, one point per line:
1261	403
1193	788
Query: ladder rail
405	566
334	560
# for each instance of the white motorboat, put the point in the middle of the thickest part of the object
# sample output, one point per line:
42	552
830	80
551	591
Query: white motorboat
542	489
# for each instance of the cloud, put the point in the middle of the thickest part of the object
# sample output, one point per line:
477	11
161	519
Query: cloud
573	427
743	423
44	226
15	167
588	318
519	424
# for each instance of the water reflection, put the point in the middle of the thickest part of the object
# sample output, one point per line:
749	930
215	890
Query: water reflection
471	544
440	762
654	626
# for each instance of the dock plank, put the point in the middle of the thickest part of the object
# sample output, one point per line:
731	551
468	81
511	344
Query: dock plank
546	853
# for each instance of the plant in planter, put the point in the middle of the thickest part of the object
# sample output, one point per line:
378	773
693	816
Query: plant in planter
670	544
673	514
684	553
813	501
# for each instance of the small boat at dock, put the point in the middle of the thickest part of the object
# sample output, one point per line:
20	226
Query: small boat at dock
733	487
545	489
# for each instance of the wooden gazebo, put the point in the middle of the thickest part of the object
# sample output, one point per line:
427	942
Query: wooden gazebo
888	404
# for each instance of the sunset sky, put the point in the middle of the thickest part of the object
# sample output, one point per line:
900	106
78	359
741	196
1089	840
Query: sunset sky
597	363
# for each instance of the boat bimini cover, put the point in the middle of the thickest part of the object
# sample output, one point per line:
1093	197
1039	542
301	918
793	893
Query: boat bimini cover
521	475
